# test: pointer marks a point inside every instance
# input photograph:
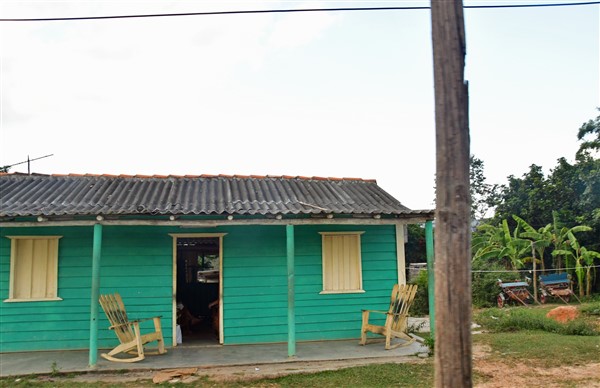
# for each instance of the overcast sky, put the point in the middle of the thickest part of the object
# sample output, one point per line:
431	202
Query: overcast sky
339	94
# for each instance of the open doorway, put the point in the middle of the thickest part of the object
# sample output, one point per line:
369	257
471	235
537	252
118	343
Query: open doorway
198	261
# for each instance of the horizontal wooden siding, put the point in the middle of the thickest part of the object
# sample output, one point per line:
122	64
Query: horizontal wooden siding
338	316
136	262
255	283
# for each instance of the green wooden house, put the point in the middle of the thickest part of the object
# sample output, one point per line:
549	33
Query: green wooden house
252	259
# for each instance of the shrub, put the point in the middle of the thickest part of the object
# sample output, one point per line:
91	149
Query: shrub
591	308
485	288
503	320
420	306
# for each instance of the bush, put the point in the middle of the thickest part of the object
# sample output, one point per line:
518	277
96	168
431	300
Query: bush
591	308
503	320
420	306
485	288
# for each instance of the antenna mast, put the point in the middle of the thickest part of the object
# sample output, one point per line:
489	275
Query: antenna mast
28	161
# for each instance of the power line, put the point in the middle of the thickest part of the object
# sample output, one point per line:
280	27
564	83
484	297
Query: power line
531	270
289	11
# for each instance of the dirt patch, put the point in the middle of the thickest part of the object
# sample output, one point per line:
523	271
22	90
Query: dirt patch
563	314
499	374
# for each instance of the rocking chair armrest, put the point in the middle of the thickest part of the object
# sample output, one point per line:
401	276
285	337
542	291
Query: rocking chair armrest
396	314
147	319
133	322
376	311
128	323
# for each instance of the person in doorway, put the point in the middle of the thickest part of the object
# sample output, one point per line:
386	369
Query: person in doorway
185	319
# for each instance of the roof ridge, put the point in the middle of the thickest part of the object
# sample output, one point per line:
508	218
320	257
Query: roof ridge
238	176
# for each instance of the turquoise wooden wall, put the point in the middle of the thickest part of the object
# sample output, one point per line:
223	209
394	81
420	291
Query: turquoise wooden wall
255	285
137	263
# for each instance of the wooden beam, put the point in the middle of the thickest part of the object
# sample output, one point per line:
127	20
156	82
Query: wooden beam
453	365
214	223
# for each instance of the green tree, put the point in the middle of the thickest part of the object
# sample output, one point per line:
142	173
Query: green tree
571	189
526	196
574	191
415	246
482	193
589	135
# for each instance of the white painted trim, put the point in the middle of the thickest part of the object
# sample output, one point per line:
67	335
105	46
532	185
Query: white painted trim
196	235
400	254
10	300
37	237
221	334
340	233
213	223
174	298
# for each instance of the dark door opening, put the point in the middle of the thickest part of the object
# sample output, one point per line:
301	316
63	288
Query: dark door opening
198	289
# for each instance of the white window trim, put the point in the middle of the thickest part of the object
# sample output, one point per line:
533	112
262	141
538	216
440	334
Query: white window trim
13	258
353	291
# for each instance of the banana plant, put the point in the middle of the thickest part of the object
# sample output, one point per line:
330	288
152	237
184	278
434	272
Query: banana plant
561	241
583	260
540	239
497	242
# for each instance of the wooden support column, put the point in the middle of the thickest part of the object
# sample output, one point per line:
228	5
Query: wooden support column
96	256
400	253
430	275
289	229
453	365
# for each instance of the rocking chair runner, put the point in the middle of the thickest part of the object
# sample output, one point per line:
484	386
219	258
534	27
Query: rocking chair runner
128	331
395	318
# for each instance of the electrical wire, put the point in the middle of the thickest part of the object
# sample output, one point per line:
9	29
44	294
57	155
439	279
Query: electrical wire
263	11
530	270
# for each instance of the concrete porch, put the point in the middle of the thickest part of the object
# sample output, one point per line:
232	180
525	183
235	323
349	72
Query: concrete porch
245	356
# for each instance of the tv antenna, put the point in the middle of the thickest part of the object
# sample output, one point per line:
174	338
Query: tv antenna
28	161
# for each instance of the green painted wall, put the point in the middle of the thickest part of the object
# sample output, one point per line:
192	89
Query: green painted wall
255	288
137	263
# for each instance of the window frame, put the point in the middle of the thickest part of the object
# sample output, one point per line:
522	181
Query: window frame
14	240
355	234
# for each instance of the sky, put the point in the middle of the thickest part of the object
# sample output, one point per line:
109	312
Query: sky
328	94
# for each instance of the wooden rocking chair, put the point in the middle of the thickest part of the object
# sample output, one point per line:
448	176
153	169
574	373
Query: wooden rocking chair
128	332
395	318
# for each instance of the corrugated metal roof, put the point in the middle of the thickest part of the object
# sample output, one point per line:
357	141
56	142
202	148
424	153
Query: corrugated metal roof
54	195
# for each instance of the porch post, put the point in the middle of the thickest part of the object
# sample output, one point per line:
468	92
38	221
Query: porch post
289	229
430	277
96	255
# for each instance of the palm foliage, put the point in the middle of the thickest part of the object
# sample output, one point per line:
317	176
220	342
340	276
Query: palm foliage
497	243
583	259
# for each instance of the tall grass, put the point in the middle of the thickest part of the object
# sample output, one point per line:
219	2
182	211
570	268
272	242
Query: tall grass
507	320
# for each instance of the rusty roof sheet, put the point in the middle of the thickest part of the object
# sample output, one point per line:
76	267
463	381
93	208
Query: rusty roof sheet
55	195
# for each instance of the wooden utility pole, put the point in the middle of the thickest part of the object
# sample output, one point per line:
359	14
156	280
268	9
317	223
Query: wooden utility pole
453	365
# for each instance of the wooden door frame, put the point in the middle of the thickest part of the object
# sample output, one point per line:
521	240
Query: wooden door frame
174	302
